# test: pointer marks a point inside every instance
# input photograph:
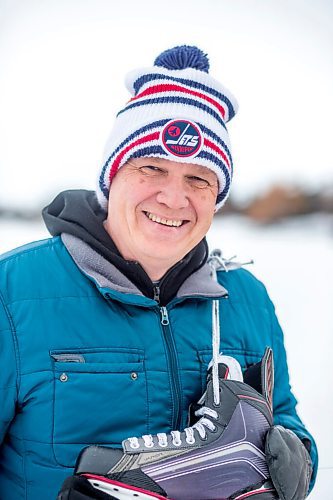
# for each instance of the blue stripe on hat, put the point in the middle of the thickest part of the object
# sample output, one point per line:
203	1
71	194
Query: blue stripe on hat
178	100
214	159
149	151
216	139
191	83
220	197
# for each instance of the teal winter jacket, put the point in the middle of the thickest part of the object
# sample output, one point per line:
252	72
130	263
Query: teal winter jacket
86	358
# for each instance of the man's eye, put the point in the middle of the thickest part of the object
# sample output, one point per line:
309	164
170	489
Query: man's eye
151	170
198	182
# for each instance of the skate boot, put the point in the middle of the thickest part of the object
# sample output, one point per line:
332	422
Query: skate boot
219	456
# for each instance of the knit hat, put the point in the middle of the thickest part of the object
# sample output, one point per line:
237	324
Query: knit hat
178	112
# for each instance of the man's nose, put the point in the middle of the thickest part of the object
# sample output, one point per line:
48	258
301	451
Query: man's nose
173	193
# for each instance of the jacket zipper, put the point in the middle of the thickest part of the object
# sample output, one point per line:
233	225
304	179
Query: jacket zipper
173	368
156	290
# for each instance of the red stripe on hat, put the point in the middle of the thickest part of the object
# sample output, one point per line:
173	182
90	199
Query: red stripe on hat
213	146
142	140
177	88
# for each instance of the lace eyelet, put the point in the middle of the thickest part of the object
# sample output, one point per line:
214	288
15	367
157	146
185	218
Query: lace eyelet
190	441
135	446
177	443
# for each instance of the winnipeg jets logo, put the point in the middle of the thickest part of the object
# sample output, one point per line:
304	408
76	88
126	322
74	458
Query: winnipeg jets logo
181	138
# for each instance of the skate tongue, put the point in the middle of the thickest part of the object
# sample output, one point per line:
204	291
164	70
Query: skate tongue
228	368
260	376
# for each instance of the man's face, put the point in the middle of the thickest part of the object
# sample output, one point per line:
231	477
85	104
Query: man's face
159	210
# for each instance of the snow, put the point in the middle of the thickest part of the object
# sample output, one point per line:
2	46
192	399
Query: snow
295	261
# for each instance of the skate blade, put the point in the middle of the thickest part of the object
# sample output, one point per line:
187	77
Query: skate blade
121	491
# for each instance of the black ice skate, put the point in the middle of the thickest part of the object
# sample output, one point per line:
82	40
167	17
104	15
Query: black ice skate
220	456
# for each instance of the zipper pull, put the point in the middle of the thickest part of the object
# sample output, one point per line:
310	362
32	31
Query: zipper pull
156	293
165	317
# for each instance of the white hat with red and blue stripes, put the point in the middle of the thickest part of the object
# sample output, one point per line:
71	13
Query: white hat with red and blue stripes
178	112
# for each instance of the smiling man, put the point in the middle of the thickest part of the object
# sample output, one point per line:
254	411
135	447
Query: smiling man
108	328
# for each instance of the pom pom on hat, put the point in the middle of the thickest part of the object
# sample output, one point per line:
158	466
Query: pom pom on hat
177	112
182	57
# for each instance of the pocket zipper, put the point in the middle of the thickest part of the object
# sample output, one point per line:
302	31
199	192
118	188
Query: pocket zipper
68	358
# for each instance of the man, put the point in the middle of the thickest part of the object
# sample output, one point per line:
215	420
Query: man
106	328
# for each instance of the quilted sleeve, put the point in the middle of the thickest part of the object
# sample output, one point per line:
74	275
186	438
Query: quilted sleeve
8	371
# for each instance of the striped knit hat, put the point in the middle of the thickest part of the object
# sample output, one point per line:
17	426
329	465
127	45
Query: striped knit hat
178	112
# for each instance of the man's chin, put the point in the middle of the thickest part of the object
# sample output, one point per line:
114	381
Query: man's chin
167	253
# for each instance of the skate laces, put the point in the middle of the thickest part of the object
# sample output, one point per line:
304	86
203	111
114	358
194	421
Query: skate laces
162	437
215	261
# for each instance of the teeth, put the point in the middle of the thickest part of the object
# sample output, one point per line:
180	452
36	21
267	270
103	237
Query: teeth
165	222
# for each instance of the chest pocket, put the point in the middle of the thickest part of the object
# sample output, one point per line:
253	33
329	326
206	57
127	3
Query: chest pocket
100	396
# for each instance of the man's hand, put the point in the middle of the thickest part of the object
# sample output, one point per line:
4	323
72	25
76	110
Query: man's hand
79	488
289	463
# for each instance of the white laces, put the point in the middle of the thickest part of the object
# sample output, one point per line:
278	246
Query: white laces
162	438
204	422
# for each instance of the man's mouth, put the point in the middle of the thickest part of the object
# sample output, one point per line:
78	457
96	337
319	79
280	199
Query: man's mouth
165	222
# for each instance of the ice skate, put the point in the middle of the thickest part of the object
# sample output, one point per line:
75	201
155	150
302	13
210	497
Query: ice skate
219	456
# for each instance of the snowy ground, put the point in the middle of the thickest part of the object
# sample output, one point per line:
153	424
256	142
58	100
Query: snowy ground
295	261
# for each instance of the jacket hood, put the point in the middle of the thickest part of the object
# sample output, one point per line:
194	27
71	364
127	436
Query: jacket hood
77	212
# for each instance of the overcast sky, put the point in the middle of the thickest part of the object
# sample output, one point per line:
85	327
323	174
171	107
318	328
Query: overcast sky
63	62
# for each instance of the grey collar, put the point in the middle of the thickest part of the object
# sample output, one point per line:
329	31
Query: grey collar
107	276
